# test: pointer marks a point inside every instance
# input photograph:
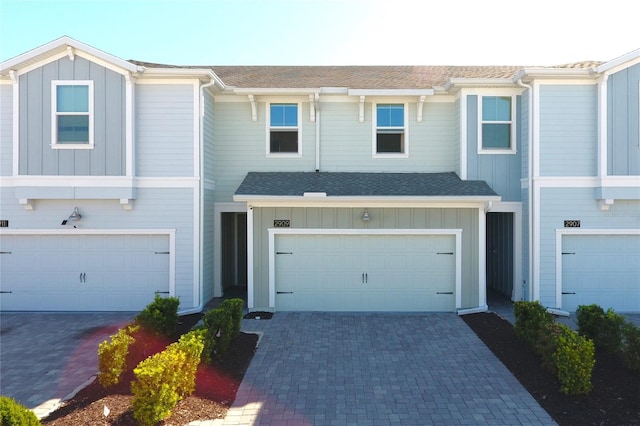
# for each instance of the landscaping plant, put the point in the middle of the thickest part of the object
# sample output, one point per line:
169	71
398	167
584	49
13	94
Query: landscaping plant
631	346
574	358
604	328
532	321
160	316
112	356
12	413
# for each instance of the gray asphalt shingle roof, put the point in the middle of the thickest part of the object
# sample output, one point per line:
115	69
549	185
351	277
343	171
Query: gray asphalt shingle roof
362	184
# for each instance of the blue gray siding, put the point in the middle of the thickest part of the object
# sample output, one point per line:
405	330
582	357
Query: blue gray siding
623	149
36	156
208	205
165	130
568	130
500	171
523	130
6	130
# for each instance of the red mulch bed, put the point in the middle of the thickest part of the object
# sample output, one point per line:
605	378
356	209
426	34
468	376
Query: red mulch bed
216	387
614	400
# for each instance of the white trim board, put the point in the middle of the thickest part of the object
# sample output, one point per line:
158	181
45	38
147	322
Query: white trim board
273	232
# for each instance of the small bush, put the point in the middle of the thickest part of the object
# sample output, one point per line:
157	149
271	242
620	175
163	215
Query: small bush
547	345
219	325
112	356
235	308
160	316
163	379
532	319
630	347
574	358
604	328
12	413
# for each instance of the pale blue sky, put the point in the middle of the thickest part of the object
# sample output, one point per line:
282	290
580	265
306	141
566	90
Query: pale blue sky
328	32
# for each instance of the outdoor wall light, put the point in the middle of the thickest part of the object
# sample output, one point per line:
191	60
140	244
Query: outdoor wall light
365	216
74	217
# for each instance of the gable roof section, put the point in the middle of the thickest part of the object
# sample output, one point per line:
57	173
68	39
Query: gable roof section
258	185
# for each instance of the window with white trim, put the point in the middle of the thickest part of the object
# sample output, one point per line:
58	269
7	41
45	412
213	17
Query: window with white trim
284	128
72	109
390	129
497	126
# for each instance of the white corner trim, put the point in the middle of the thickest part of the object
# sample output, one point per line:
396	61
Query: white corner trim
463	136
361	110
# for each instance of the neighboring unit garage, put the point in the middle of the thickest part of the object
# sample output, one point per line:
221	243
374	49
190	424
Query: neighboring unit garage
87	270
601	267
372	270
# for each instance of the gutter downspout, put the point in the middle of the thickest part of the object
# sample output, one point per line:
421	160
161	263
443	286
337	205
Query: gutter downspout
200	288
316	101
525	295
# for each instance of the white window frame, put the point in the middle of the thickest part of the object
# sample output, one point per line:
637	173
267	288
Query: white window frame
54	115
297	128
405	131
512	148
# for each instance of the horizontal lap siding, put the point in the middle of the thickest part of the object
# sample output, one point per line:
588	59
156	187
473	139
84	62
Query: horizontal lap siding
6	130
107	158
623	133
568	130
345	218
165	130
559	204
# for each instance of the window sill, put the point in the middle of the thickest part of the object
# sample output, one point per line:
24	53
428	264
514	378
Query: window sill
283	155
498	151
391	155
72	146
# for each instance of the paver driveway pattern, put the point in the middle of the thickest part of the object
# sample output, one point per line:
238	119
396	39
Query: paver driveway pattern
45	356
376	369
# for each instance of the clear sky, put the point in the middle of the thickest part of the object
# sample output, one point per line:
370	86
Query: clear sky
329	32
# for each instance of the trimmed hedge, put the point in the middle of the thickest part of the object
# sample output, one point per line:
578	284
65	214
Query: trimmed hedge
164	379
222	325
160	316
532	321
112	356
631	346
12	413
604	328
574	358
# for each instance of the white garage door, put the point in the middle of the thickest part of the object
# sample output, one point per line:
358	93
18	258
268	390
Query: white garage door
82	272
365	272
601	269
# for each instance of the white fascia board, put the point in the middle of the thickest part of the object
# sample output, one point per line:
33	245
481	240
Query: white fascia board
200	73
559	73
620	62
457	83
59	45
277	91
371	202
390	92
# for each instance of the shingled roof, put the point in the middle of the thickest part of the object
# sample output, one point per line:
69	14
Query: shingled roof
342	184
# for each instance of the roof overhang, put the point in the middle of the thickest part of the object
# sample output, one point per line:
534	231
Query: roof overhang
528	74
621	62
455	84
203	74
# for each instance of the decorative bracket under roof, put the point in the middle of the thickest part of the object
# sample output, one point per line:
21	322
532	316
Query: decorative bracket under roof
126	203
605	204
70	53
313	105
361	115
13	75
26	203
254	108
420	106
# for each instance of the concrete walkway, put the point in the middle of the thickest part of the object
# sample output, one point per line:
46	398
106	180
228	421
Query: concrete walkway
376	369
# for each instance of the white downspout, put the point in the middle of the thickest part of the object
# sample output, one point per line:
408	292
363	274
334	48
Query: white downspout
528	295
199	288
316	101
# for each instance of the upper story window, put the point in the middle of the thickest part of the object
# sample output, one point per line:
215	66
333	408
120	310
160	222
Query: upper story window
497	133
391	130
284	129
72	109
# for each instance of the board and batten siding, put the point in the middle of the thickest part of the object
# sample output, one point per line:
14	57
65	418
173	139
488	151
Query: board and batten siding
382	218
165	129
6	129
240	146
208	246
623	117
523	131
208	126
458	136
502	172
107	158
560	204
155	208
568	130
526	284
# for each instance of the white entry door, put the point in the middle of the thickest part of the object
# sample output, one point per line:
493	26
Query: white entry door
365	272
82	272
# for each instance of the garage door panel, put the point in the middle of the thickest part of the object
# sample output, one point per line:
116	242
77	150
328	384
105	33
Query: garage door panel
601	269
366	273
112	272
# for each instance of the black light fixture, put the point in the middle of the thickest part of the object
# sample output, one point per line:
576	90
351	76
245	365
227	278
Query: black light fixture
365	216
74	217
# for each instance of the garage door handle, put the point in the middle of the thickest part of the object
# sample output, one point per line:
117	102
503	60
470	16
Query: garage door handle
568	292
5	291
284	252
284	292
162	252
445	252
568	252
444	292
161	292
5	252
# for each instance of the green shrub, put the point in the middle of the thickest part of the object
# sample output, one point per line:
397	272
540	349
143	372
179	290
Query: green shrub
532	319
219	325
160	316
604	328
630	347
12	413
112	356
235	308
574	358
163	379
547	345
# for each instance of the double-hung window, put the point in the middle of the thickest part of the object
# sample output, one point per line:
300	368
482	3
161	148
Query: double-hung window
497	126
72	110
284	128
391	130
